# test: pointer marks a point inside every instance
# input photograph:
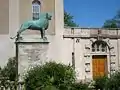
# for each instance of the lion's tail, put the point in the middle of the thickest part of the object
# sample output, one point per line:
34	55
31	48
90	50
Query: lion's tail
13	37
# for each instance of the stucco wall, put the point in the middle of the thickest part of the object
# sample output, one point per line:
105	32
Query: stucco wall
4	17
49	6
119	51
10	24
84	55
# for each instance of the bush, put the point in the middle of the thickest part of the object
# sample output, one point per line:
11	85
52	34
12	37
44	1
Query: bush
9	70
79	86
114	81
50	74
50	88
100	83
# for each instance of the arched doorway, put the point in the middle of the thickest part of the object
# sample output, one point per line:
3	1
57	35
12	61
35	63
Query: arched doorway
99	59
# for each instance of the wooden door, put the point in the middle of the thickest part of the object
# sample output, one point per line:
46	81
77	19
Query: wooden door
99	66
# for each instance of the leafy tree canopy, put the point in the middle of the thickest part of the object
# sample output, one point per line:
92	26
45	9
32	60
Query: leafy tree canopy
68	20
110	24
114	22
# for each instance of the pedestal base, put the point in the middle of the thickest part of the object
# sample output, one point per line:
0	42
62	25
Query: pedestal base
30	54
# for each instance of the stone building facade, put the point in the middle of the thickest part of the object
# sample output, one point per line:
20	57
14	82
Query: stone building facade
92	51
96	50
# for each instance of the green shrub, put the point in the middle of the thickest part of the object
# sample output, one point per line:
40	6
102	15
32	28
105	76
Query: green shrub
101	82
79	86
10	69
114	81
50	74
50	88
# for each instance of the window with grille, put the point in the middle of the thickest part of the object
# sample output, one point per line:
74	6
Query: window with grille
36	5
99	46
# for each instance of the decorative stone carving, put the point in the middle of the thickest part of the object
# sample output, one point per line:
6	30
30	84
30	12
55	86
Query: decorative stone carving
87	67
87	46
77	40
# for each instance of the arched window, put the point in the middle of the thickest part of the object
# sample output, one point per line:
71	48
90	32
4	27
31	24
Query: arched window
99	46
36	5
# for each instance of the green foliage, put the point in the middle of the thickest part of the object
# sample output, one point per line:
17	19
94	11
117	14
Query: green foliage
50	88
114	22
68	20
110	24
105	83
50	74
114	81
9	70
79	86
53	76
117	19
100	83
118	15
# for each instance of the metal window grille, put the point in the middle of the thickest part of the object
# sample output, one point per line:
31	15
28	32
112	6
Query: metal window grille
35	11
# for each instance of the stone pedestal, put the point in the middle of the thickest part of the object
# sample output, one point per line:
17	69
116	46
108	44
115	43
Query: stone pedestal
30	54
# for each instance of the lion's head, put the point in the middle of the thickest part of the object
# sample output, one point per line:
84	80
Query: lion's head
46	15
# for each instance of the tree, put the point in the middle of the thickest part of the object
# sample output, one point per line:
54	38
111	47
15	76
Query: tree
114	22
10	69
68	20
110	24
117	19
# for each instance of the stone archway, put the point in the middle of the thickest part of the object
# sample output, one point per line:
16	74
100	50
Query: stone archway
99	59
